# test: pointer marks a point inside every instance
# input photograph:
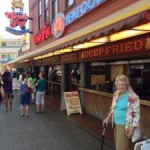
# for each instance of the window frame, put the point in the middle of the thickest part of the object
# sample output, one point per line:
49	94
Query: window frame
13	56
69	5
46	12
40	15
4	56
55	12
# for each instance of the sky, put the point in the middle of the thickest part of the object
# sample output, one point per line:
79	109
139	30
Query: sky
5	6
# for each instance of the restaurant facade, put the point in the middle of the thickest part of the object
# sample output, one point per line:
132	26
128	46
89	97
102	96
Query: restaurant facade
88	43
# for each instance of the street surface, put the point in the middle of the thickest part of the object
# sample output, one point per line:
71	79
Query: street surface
48	131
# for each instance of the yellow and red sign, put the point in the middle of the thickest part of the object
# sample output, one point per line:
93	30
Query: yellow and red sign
58	25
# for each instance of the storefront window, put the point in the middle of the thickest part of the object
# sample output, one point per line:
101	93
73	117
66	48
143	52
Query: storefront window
99	77
102	76
75	73
54	73
54	79
140	79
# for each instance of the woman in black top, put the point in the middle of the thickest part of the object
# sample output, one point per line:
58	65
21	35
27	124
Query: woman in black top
1	90
7	81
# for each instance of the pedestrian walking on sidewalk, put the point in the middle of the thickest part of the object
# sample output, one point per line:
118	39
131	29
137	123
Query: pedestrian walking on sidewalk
32	79
1	90
40	93
125	112
24	96
7	81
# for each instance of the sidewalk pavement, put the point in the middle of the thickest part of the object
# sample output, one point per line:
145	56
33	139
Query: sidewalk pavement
85	121
48	131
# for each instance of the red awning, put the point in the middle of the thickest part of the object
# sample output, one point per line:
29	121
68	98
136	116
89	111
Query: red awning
126	24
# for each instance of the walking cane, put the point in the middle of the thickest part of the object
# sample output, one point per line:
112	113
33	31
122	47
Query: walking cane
103	137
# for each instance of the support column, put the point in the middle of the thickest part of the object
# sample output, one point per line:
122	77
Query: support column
63	86
83	74
46	77
32	69
85	79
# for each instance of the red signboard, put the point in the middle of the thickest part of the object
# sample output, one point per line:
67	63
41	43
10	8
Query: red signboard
43	35
17	19
72	57
120	48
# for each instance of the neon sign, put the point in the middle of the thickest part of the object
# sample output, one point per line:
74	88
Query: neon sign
18	15
82	9
17	19
17	4
43	35
17	32
58	25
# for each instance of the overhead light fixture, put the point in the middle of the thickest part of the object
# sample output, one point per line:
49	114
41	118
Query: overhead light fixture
67	50
43	56
130	33
144	27
61	51
38	57
79	46
25	61
57	52
91	43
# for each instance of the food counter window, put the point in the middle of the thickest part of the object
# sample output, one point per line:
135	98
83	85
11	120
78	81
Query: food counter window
75	73
99	75
54	74
140	79
102	76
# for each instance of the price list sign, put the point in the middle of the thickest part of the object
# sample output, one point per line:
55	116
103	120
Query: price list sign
72	101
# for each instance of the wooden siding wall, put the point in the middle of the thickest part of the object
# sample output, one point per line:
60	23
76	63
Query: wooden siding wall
98	105
145	120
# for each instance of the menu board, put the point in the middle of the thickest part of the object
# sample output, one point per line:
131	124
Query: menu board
72	102
116	70
97	79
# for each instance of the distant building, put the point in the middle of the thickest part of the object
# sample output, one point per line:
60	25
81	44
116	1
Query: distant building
9	50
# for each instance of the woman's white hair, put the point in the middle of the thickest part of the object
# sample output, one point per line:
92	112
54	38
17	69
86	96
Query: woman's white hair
124	79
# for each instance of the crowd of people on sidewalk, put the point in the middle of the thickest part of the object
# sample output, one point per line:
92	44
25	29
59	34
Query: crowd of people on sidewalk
31	90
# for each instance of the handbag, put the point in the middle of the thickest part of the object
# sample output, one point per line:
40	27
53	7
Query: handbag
136	134
29	90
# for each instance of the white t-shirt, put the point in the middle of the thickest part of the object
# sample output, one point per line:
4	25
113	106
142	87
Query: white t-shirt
20	77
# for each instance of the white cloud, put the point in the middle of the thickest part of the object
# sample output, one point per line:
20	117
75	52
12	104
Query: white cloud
5	6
